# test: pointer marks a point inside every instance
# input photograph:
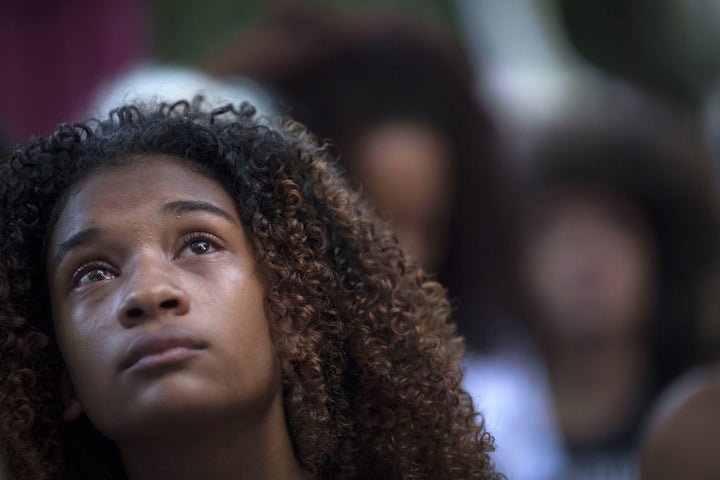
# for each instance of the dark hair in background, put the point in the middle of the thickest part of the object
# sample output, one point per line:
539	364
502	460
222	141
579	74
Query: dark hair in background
4	146
342	72
369	359
4	475
666	177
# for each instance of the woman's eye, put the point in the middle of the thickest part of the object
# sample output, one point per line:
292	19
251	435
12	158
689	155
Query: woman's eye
92	275
198	246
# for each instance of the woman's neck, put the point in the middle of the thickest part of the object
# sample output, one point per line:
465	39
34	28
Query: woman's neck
596	390
221	450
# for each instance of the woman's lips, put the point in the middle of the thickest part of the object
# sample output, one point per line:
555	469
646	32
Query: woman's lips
162	348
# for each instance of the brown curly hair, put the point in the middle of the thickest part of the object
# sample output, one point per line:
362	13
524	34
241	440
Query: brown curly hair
369	357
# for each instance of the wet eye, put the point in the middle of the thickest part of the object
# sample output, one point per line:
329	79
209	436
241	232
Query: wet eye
198	244
91	274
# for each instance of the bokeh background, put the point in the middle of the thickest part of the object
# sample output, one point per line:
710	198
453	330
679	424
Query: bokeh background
553	162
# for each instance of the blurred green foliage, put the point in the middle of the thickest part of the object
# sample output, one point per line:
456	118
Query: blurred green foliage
189	30
670	45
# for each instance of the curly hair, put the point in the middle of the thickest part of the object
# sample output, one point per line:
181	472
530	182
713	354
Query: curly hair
369	357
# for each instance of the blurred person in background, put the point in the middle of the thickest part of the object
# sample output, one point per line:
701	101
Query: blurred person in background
621	236
395	96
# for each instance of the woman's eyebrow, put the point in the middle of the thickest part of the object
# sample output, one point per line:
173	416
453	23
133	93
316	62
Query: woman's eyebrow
76	240
180	207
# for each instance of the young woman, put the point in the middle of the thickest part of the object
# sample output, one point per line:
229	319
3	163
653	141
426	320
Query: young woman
197	295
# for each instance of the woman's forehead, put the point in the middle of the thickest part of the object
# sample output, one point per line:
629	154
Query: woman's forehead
122	190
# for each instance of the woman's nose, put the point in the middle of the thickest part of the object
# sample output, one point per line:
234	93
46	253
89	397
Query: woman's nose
153	291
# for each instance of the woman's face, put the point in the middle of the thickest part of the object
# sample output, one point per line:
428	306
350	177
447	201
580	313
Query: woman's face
590	266
406	169
158	304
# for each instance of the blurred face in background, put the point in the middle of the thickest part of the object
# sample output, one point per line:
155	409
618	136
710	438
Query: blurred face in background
590	267
406	170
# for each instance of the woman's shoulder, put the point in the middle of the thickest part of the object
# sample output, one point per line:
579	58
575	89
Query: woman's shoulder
683	432
694	393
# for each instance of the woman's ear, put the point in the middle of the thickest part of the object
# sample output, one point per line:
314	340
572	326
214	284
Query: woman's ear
73	407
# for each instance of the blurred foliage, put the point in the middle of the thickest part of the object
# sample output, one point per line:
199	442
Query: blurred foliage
669	45
188	30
